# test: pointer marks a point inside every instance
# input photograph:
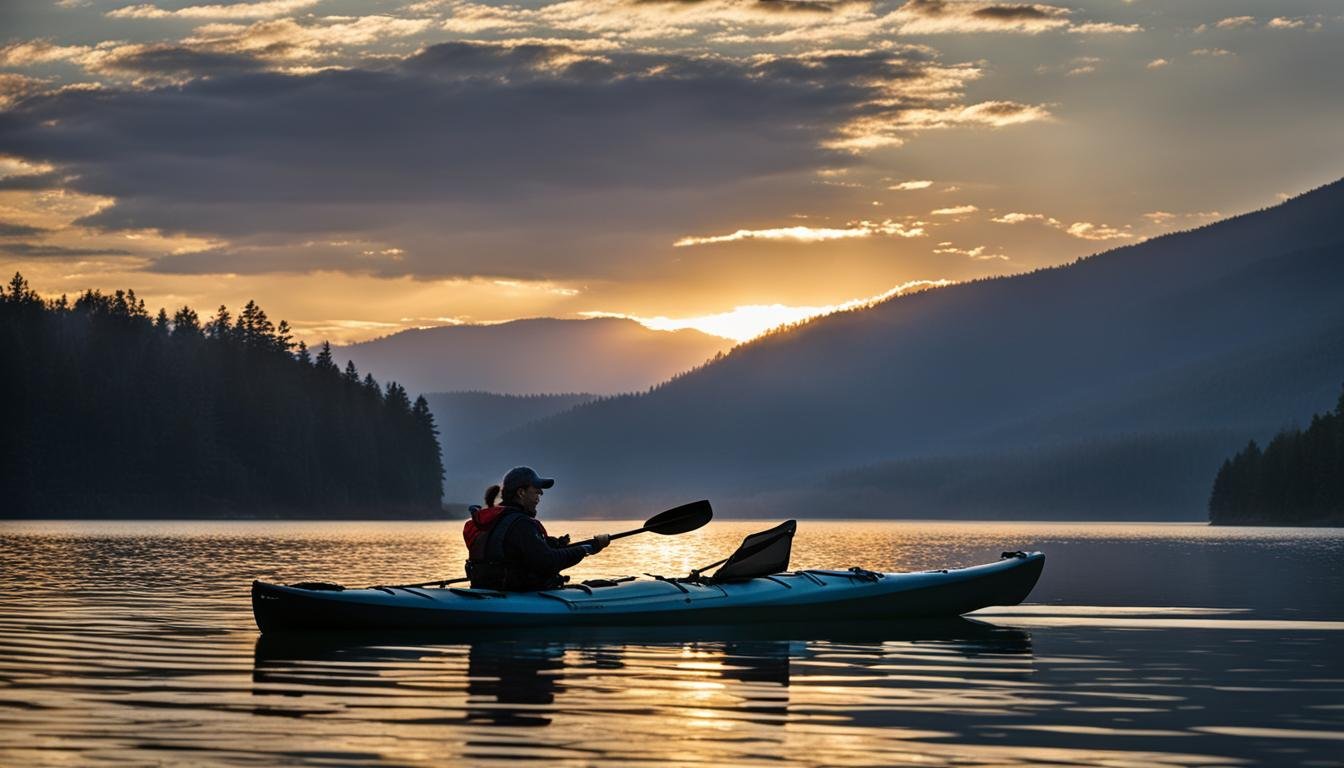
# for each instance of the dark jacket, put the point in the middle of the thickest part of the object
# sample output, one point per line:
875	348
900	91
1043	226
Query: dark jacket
509	550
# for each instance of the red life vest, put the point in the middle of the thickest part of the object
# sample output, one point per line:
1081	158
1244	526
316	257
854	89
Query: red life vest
476	531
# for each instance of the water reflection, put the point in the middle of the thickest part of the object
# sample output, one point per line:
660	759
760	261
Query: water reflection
695	674
133	644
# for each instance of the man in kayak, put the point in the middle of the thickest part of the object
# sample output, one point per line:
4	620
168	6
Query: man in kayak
509	548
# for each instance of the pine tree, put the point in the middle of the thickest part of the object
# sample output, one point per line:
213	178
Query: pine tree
396	400
325	362
20	292
283	340
219	328
186	323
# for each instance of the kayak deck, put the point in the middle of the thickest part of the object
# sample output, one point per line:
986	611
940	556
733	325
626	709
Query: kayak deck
808	595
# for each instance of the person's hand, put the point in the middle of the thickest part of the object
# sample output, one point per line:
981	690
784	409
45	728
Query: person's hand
563	541
600	542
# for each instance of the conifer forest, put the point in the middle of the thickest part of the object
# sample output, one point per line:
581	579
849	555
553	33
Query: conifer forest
111	411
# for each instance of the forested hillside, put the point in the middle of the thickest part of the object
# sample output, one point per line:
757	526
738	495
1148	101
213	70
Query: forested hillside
110	411
1179	346
468	420
1298	479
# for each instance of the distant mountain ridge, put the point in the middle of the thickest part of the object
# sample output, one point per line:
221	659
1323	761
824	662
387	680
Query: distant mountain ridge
1193	341
535	356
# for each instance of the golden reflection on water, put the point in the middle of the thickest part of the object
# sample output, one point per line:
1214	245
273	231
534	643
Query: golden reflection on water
132	643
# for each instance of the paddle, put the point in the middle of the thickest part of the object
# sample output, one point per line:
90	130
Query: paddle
753	545
682	519
687	517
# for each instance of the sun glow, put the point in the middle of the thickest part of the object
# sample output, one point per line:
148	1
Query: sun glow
746	322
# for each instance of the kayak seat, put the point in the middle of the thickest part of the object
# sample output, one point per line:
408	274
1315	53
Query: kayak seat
760	554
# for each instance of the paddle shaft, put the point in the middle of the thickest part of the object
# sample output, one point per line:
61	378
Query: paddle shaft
693	515
620	535
459	581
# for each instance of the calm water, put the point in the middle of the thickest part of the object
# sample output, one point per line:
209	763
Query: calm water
133	643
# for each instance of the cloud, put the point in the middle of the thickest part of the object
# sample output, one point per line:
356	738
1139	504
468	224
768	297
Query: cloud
29	182
1081	229
1167	218
20	230
168	62
906	186
1246	22
1157	64
30	52
472	140
261	10
14	86
1018	218
888	128
955	211
808	234
1089	231
1211	52
926	17
1083	65
977	253
42	250
1235	22
1280	22
310	39
1105	28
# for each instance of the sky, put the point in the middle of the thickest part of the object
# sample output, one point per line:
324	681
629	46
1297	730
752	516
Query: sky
362	167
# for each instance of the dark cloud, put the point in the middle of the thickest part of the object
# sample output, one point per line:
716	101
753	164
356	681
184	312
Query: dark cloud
174	62
463	155
925	7
1014	13
1009	13
39	250
30	182
19	230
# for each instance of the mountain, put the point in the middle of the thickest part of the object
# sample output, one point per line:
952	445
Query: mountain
525	357
1140	368
468	419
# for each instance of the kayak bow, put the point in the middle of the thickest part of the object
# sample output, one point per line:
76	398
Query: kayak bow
811	595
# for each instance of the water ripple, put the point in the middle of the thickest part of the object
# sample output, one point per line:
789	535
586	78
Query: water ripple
133	644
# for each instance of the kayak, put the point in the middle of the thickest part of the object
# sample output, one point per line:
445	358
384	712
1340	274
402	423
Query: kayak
808	595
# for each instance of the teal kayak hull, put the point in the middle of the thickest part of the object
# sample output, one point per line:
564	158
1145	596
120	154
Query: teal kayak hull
812	595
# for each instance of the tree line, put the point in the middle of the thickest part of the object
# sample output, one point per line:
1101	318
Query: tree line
1297	479
110	411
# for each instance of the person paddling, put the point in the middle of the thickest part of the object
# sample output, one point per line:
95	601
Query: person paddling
507	545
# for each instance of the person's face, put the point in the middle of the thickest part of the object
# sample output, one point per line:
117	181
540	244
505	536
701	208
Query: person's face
529	497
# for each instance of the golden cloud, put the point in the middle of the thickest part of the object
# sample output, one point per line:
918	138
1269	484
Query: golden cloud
802	234
261	10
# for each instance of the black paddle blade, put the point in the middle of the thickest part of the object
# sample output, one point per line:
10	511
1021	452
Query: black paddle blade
681	519
760	554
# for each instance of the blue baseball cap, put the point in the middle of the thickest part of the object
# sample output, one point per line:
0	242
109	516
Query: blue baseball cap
522	477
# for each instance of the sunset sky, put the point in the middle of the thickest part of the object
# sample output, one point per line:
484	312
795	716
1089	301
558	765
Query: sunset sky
362	167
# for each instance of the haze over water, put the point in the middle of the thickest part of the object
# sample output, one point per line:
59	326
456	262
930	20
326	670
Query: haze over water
133	643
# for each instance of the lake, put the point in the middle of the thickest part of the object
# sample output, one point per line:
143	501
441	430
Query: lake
1184	645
